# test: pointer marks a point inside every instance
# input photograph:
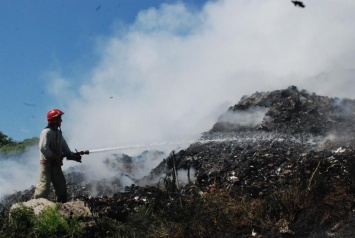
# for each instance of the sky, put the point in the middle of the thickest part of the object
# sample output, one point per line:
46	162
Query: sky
131	72
144	72
41	41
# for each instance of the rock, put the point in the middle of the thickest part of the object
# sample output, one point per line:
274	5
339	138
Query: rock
38	205
73	208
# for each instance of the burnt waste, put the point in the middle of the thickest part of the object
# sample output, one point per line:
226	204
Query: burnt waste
265	143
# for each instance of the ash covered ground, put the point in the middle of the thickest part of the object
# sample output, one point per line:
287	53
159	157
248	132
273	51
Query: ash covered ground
264	143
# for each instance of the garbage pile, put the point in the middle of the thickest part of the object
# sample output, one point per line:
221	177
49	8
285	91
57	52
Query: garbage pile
291	111
266	142
298	131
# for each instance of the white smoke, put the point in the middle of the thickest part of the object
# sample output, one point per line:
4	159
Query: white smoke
170	74
17	174
174	71
250	118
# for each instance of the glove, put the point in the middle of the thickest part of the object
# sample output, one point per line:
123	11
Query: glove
57	159
75	157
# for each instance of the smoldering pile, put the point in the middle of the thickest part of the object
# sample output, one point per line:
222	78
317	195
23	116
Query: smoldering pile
290	135
299	133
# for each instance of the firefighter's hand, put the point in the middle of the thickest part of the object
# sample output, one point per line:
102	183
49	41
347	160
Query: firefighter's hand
75	157
57	158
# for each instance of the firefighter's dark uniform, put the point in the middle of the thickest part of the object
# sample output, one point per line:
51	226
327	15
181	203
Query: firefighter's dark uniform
53	148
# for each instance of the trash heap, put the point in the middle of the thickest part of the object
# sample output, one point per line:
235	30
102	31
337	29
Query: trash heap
298	131
267	142
301	135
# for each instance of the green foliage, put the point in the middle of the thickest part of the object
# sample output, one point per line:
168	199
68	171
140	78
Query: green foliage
19	223
51	223
5	140
10	148
22	222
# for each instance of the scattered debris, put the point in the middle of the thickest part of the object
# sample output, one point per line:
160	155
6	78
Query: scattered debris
300	136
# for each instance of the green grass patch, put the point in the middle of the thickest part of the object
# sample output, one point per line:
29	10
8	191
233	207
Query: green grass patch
22	222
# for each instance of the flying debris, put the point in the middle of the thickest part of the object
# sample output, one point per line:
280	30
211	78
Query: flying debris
29	104
298	3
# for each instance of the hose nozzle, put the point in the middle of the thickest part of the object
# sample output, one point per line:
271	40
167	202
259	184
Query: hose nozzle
83	152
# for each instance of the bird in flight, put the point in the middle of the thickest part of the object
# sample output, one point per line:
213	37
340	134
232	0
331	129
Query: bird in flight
298	3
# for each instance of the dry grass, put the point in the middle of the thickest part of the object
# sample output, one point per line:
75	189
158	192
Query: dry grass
221	213
335	206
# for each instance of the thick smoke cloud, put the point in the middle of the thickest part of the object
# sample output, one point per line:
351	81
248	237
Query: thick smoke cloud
174	71
169	76
250	118
17	174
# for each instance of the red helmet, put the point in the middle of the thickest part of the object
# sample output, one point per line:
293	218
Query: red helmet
52	116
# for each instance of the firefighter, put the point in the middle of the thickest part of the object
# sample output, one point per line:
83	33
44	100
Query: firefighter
53	148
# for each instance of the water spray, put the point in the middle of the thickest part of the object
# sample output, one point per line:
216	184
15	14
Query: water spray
161	144
139	146
144	146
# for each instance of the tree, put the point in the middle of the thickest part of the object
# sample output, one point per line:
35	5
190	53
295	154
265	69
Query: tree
10	148
5	140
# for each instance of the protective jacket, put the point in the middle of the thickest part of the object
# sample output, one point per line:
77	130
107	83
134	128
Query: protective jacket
53	145
53	148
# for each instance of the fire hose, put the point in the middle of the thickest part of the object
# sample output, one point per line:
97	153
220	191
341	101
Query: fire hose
86	152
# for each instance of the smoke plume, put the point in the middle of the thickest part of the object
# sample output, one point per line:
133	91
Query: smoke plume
169	75
174	71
